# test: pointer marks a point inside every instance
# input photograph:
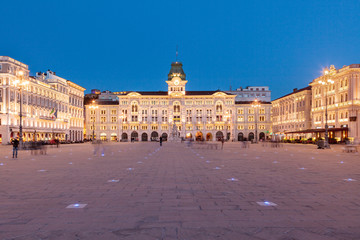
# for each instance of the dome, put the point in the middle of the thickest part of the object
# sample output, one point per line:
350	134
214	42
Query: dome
176	70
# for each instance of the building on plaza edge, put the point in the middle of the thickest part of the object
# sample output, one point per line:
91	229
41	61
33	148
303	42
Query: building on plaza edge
52	107
174	114
333	98
292	113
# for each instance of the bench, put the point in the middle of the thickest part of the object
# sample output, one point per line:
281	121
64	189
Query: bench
206	145
350	148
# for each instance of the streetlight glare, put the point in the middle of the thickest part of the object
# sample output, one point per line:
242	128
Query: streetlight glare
20	73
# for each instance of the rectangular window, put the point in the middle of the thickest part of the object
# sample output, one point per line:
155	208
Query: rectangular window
113	112
102	119
251	111
262	111
240	111
103	112
250	118
240	118
262	118
113	119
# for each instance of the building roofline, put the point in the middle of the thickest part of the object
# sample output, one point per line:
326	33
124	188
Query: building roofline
296	91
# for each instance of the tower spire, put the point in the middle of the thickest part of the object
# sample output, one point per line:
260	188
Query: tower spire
177	53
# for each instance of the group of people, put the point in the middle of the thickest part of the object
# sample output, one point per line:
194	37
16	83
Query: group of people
35	147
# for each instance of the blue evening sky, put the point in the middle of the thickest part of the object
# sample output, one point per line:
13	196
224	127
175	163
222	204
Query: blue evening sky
129	45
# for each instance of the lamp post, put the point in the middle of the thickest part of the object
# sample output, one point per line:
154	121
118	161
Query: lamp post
327	82
227	117
256	105
121	117
93	106
19	83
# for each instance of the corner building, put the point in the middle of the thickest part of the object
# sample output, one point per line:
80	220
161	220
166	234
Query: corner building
176	113
291	114
337	102
52	107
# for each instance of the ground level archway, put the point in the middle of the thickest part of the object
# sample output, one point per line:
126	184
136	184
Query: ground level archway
209	137
262	136
251	136
154	136
144	137
103	137
134	136
113	137
240	136
124	137
164	136
199	136
219	136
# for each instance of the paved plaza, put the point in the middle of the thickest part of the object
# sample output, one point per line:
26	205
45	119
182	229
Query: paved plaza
144	191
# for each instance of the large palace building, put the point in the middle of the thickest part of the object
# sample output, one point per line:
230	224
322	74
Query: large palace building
50	106
176	113
332	99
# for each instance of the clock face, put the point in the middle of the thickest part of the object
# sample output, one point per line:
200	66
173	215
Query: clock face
176	82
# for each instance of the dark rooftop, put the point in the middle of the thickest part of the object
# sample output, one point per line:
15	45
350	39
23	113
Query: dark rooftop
295	91
250	102
187	93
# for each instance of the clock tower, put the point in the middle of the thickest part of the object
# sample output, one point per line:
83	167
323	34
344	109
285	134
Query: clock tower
176	80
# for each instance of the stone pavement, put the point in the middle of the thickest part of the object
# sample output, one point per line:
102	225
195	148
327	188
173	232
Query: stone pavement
141	191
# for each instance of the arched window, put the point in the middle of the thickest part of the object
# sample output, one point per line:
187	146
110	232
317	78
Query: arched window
219	107
176	107
134	107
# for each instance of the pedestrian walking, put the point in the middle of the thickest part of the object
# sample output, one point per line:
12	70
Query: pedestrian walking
15	143
160	141
222	142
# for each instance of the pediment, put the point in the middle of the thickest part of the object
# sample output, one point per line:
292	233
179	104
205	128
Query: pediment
134	94
220	94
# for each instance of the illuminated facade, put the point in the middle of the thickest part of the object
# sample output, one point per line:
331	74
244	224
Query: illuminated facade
172	114
102	116
292	113
175	114
339	91
248	118
52	107
250	93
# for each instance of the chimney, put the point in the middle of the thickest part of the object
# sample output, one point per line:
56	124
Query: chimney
295	89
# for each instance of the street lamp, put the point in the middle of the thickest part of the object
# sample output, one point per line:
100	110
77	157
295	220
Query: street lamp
121	117
227	117
327	82
93	106
19	83
256	105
